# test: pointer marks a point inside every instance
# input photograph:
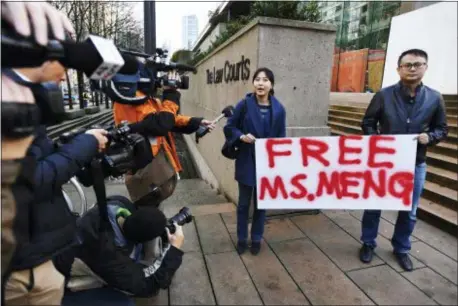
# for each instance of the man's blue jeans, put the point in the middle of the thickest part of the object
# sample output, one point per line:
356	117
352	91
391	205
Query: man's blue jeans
405	222
243	210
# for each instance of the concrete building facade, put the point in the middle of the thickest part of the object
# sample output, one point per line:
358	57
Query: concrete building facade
190	31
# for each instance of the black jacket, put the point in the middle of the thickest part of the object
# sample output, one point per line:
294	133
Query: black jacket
396	113
113	264
163	122
44	225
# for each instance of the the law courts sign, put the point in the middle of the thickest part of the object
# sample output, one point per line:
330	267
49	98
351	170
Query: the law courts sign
230	72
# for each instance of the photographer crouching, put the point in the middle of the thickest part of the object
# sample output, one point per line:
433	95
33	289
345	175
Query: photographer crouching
115	256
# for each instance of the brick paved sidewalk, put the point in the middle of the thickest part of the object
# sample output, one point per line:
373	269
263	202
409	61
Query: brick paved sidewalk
305	259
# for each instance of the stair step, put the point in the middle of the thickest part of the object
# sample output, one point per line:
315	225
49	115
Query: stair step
452	138
450	99
353	120
442	177
452	111
442	161
438	215
346	128
451	119
444	148
440	194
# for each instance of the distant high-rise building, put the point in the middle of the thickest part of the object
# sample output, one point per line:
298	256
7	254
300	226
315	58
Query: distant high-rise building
190	31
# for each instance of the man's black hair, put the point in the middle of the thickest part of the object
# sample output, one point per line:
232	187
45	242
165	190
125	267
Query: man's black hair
145	224
416	52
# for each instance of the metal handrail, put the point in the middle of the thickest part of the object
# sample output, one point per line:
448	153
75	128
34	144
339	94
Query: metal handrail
80	191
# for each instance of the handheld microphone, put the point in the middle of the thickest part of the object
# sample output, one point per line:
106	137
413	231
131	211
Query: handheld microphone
97	57
203	130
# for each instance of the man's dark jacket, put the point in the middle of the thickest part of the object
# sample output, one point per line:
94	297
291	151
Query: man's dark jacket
44	225
396	113
114	265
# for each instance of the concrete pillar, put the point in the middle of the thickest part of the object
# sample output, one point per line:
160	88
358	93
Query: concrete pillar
299	53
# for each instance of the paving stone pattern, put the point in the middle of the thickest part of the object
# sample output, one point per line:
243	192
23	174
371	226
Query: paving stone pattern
304	260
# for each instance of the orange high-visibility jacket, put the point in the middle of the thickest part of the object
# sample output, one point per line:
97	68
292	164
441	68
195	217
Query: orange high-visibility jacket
136	113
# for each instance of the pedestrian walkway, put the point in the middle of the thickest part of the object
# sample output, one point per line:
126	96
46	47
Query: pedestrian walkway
305	259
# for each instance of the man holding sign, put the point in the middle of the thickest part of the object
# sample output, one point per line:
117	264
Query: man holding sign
408	107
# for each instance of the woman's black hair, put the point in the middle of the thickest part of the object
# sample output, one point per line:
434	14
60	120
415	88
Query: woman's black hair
269	75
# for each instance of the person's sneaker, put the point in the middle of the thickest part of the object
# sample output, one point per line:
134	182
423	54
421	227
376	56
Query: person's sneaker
241	247
255	248
404	261
366	253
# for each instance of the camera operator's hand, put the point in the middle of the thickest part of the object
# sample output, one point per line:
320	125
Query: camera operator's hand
211	126
248	138
25	16
100	135
177	238
13	92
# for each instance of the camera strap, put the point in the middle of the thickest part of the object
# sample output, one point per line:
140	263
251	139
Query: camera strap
100	192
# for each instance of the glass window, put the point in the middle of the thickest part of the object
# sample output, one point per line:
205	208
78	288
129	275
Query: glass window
361	41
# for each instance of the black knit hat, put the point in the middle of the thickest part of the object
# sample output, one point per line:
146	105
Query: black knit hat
144	225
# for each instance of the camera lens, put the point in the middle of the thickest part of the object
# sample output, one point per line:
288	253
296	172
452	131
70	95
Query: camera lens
183	217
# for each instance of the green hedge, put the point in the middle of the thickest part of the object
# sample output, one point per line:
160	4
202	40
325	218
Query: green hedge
295	10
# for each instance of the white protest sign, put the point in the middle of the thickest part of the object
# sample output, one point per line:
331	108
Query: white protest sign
344	172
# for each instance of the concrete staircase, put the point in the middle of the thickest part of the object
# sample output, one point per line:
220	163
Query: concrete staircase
439	203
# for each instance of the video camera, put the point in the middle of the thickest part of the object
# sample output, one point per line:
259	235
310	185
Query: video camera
125	152
97	57
150	75
157	63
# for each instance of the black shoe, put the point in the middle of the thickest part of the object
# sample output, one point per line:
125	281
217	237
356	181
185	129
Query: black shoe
404	261
241	247
366	253
255	248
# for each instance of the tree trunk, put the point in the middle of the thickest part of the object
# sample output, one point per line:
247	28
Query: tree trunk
69	87
97	98
80	77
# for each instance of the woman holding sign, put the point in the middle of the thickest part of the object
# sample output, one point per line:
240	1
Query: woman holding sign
258	115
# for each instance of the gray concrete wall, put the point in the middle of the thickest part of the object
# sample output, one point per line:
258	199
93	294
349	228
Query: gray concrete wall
299	54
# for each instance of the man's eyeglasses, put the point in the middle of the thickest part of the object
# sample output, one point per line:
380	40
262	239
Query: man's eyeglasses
409	66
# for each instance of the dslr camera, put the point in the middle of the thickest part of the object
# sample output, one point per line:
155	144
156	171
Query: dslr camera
183	217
